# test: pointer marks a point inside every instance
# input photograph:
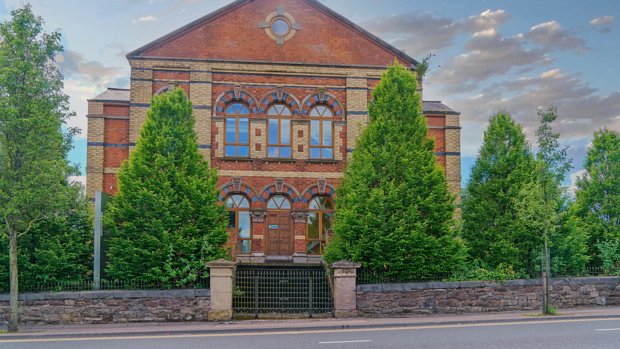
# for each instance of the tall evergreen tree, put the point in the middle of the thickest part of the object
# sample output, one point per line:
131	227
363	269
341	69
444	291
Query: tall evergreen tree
33	146
165	222
597	201
395	212
504	167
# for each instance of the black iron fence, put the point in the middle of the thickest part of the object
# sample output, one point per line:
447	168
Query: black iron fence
76	286
281	290
371	276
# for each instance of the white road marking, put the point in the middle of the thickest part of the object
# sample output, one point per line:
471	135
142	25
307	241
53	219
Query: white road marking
342	342
607	329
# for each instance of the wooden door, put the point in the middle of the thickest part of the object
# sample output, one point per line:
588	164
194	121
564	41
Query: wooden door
279	234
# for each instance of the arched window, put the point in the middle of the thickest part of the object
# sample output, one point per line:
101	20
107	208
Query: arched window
237	143
279	131
279	202
239	222
321	133
320	220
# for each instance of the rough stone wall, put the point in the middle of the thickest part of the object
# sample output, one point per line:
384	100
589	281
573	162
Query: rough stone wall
477	297
99	307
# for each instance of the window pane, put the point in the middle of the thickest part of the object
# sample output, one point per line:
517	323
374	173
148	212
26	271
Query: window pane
285	111
327	133
314	247
272	111
243	131
315	112
328	220
244	110
313	226
243	202
314	204
244	224
315	132
285	131
285	152
272	152
232	219
245	246
328	113
315	153
231	109
230	130
243	151
328	153
273	131
230	151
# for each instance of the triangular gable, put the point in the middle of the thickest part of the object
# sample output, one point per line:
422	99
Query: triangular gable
234	33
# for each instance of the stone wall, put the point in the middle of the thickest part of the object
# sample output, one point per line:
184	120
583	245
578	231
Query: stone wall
96	307
476	297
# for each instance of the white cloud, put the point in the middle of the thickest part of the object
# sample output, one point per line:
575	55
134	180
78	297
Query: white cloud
145	19
552	35
79	180
603	20
572	189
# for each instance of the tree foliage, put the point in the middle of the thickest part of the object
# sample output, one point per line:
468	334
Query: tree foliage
503	169
395	212
597	201
33	146
165	222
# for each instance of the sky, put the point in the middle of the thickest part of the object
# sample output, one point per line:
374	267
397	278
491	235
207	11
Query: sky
488	55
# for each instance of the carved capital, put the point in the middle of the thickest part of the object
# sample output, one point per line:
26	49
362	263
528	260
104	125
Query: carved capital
300	216
258	216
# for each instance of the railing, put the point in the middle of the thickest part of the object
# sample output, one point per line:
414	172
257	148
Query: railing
75	286
282	290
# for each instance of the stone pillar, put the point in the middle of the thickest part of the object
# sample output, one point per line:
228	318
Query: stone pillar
221	275
345	289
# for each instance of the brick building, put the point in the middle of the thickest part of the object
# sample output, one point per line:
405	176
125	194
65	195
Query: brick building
280	90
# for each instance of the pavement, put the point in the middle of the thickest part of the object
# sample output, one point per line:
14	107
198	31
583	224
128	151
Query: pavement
300	325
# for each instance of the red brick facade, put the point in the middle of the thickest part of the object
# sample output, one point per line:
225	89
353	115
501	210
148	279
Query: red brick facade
236	55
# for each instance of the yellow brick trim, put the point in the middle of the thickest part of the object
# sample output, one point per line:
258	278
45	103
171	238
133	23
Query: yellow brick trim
283	174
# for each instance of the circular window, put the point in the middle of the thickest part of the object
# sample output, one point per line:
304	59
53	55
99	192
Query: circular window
280	26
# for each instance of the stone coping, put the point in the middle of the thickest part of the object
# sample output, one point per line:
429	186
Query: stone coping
474	284
189	293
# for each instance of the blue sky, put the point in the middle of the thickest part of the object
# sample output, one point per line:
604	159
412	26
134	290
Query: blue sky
488	55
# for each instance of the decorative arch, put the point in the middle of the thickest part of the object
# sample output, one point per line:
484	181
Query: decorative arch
235	95
324	98
315	190
161	90
229	188
279	96
272	189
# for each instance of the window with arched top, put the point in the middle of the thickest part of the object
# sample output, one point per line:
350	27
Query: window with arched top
279	131
320	221
237	130
239	222
321	133
279	202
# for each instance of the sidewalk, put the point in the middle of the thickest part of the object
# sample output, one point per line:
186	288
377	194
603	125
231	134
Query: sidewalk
141	329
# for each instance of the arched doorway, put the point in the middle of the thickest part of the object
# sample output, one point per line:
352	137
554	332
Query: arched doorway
279	227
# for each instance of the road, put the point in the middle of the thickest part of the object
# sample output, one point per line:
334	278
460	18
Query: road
565	334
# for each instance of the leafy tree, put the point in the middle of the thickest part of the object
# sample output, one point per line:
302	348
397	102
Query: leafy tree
33	146
165	222
503	169
597	201
58	249
395	212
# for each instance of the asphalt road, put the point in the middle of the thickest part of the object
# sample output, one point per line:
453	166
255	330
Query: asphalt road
565	334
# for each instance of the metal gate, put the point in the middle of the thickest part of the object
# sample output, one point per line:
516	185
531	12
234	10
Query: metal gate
268	291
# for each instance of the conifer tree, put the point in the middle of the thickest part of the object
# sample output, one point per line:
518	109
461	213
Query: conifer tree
504	168
165	222
597	202
395	212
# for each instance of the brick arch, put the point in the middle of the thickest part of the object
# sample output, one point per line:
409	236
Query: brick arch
287	190
313	191
280	96
324	98
229	96
161	90
229	189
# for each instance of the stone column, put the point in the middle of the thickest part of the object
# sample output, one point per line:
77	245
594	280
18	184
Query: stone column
345	289
221	275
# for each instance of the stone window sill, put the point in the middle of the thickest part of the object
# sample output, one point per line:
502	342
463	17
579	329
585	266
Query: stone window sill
322	161
230	158
288	160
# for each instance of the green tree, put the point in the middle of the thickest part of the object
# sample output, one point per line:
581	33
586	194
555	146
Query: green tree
165	222
504	167
395	212
33	146
597	202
